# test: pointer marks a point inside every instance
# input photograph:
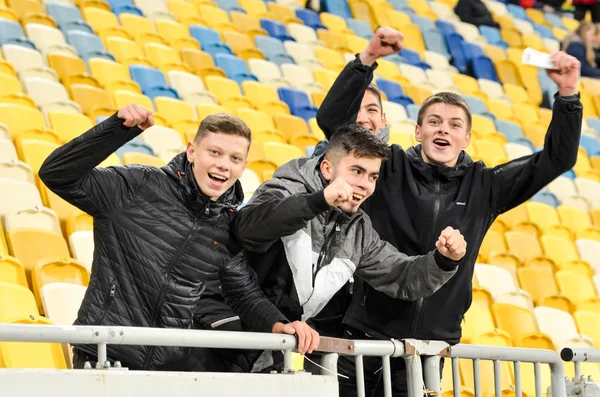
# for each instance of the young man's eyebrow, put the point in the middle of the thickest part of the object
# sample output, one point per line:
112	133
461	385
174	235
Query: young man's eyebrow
372	104
359	167
439	117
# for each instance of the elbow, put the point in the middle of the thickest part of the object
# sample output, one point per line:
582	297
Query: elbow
47	174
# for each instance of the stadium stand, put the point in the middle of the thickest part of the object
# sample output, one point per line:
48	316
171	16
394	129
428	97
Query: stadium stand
271	63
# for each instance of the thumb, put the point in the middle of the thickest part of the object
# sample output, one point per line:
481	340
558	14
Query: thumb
288	329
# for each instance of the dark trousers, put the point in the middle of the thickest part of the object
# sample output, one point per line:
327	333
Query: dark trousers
581	10
373	372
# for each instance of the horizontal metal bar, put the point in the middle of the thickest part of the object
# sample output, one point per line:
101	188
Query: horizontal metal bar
570	354
392	348
503	353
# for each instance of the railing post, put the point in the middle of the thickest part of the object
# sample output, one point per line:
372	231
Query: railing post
287	362
432	373
414	374
329	361
102	353
360	376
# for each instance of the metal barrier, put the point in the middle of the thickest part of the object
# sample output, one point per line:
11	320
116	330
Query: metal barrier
577	356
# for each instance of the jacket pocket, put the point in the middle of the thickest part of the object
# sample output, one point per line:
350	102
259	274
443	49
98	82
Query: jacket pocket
107	303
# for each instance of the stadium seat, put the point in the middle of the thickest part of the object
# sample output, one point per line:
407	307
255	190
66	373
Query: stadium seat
61	301
521	325
67	17
296	130
34	152
563	252
88	45
164	57
136	146
566	334
325	78
275	29
68	125
310	18
82	246
190	88
12	271
215	18
247	24
563	188
103	22
200	63
588	188
153	9
305	35
228	92
162	139
124	6
50	95
209	40
152	82
242	45
142	159
12	33
204	110
71	70
301	78
280	153
574	219
589	251
15	169
123	98
229	5
262	126
140	28
453	42
79	221
298	102
125	51
35	218
265	98
22	195
112	75
31	245
10	86
18	301
588	323
94	102
53	270
438	62
179	114
283	13
234	67
273	49
493	36
28	62
502	286
8	152
579	289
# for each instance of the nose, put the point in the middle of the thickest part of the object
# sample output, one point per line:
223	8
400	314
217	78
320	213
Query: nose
362	118
223	163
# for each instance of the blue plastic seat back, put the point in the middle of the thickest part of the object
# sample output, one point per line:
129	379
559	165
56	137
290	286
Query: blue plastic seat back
361	28
510	130
338	7
137	147
517	11
476	105
88	45
423	23
471	50
590	144
209	40
234	67
298	102
483	68
124	7
310	18
273	49
544	31
63	13
459	60
12	33
152	82
230	5
445	27
391	88
554	20
546	197
275	29
413	111
434	41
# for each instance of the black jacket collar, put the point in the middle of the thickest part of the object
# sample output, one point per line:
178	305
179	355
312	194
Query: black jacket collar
431	172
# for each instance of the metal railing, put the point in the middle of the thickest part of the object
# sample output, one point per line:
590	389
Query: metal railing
579	355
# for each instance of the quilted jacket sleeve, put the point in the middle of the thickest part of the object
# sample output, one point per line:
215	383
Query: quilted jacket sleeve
243	294
70	171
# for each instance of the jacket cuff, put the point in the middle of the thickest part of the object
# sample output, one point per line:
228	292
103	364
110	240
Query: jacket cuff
568	104
115	121
317	202
357	64
445	263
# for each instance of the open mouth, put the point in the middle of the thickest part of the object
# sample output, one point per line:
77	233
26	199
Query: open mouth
357	198
217	178
441	143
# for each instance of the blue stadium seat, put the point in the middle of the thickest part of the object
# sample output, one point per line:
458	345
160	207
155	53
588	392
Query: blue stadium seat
483	68
209	40
88	45
453	41
273	50
413	58
399	4
68	17
298	102
361	28
493	36
590	144
394	92
230	5
526	142
594	122
471	50
445	27
434	41
338	7
554	20
152	82
234	67
413	111
510	130
124	6
477	106
137	147
569	174
544	31
423	23
100	119
517	12
12	33
275	29
546	197
310	18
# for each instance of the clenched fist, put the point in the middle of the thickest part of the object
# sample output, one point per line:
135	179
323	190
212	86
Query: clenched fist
338	192
567	72
136	115
385	41
451	244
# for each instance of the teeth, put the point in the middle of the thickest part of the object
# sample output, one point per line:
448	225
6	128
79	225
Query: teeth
219	177
357	196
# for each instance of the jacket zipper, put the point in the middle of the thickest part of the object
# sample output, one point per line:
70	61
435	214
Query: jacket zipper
163	290
336	229
418	318
111	296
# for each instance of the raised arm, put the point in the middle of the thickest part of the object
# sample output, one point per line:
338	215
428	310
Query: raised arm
342	103
70	171
516	181
410	277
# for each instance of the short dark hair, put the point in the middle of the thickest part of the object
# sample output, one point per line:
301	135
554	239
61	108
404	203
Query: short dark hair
223	123
377	92
357	140
448	98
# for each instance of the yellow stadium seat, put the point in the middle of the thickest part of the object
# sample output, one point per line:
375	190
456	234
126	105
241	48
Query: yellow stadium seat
140	28
69	125
542	287
468	85
215	18
227	92
516	93
331	59
396	19
57	270
492	153
112	75
124	98
164	57
31	245
317	98
247	24
495	53
34	152
262	126
523	246
283	13
325	77
184	12
143	159
201	63
295	130
12	271
255	8
563	252
264	98
242	45
79	221
9	14
508	73
527	113
127	52
104	23
17	301
534	41
413	38
60	206
483	125
401	139
258	161
595	214
493	243
280	153
9	85
364	11
588	323
512	37
543	215
333	40
179	114
26	9
530	80
536	132
31	354
520	324
418	93
335	23
94	102
177	34
389	70
478	322
574	219
579	289
203	110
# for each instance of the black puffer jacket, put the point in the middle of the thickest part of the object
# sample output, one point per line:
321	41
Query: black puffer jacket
158	240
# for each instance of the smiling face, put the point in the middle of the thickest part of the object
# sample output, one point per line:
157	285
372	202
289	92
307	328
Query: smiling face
359	172
371	115
443	129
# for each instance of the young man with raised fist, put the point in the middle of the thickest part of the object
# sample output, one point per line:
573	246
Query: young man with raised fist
307	236
425	188
161	235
